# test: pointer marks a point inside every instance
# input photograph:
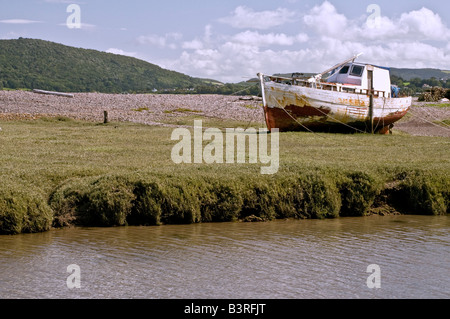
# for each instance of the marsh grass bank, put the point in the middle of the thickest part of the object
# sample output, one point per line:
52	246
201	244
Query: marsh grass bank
59	172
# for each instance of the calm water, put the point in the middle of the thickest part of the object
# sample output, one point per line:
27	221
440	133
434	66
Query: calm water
281	259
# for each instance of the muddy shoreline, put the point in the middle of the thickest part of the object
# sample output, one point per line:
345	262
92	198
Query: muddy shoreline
156	109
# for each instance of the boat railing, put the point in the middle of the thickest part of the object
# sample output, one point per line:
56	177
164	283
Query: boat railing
327	86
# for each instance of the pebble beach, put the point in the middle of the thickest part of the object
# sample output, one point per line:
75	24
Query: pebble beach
162	109
150	109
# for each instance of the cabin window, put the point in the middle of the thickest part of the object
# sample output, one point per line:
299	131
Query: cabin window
357	70
344	70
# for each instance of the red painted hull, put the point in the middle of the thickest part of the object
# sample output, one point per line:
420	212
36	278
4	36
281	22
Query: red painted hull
286	121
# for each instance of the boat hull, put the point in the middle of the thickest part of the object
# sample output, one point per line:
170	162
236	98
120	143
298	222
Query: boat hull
297	108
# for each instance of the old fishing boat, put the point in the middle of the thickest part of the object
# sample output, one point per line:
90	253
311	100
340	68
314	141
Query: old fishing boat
355	97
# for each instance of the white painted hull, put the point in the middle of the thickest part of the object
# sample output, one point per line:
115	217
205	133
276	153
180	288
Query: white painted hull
292	107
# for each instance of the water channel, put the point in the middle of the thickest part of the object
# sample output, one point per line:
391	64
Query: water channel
285	259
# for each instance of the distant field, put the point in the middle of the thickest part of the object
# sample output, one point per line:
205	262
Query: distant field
58	171
439	105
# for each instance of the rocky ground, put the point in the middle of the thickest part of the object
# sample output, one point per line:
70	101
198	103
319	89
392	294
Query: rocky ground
148	109
425	120
155	109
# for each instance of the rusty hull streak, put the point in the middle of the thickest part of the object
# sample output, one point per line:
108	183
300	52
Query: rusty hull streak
352	102
305	111
383	125
286	121
300	106
278	118
390	119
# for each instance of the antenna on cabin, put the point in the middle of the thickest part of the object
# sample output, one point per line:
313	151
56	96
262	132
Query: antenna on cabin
317	77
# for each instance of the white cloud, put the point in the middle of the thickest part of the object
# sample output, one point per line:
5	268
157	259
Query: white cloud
254	38
13	35
165	41
19	21
153	39
414	39
206	60
421	24
208	33
418	55
198	44
235	62
83	26
61	1
406	54
302	37
246	18
424	23
382	30
325	20
402	41
87	26
121	52
194	44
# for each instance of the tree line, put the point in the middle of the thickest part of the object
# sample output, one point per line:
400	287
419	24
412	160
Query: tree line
417	86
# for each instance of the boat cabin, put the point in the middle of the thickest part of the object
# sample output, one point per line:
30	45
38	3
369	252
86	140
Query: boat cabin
348	77
363	78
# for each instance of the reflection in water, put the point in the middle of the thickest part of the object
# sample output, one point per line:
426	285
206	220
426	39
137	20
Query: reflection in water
282	259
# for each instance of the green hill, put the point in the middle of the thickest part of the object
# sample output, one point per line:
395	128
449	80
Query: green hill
423	74
38	64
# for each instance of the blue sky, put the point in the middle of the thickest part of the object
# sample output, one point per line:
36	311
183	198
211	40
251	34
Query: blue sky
233	40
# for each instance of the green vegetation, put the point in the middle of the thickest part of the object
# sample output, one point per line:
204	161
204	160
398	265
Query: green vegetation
422	74
241	88
57	172
445	123
141	109
439	105
181	110
418	85
37	64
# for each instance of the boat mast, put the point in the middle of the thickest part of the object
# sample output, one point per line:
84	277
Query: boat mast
319	76
261	79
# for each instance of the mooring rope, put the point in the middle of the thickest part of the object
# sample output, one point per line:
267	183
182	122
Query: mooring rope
354	128
213	111
435	118
244	89
446	127
382	112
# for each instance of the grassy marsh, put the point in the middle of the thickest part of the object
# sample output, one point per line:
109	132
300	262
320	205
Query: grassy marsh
58	172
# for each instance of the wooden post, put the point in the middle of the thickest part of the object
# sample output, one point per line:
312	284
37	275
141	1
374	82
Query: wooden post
371	113
105	117
370	88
